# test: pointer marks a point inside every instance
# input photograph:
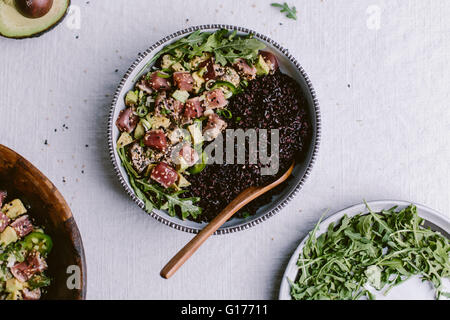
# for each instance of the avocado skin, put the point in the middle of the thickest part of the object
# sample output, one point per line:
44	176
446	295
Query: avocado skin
37	35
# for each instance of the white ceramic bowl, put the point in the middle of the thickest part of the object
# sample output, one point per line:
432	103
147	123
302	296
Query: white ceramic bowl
288	65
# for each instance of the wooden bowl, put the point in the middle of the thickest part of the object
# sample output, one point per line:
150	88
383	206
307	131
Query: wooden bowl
48	209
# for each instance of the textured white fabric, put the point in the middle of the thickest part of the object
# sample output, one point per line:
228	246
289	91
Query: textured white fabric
381	71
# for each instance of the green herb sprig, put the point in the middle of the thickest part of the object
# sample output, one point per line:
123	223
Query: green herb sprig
380	250
226	47
291	13
154	196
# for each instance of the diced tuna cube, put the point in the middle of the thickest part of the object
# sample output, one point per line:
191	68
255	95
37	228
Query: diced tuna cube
4	221
127	120
22	226
176	108
270	59
214	127
3	195
144	86
171	104
20	271
213	70
156	139
184	81
215	99
245	69
164	174
36	263
31	294
33	264
158	83
189	154
138	158
193	108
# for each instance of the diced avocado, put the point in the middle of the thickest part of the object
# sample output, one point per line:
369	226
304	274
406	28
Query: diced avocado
8	236
181	95
182	165
177	67
182	182
140	131
125	139
196	133
131	98
14	209
187	136
14	296
262	68
14	285
167	61
198	81
175	135
202	71
158	122
194	63
149	169
178	53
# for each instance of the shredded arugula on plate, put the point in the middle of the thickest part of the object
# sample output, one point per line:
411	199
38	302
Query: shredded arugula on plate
225	45
291	13
154	196
379	250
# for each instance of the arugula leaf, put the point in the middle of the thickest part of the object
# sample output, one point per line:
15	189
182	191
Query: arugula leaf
154	196
291	13
225	45
375	249
186	205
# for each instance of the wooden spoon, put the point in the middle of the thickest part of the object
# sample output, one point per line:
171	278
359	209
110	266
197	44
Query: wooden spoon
241	200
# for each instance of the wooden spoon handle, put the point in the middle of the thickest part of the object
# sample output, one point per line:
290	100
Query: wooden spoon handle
189	249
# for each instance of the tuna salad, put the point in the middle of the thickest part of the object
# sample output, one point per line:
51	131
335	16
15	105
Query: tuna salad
196	89
24	248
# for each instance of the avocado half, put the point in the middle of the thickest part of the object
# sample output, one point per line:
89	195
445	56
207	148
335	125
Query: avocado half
14	25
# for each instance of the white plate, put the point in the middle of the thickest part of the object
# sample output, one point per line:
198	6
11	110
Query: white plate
414	288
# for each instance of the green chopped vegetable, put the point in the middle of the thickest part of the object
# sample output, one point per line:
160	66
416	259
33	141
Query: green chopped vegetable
291	13
39	281
172	201
225	45
227	85
199	167
225	113
163	75
379	250
38	241
142	111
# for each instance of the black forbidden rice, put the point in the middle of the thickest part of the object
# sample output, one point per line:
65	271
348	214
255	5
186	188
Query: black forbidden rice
269	102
